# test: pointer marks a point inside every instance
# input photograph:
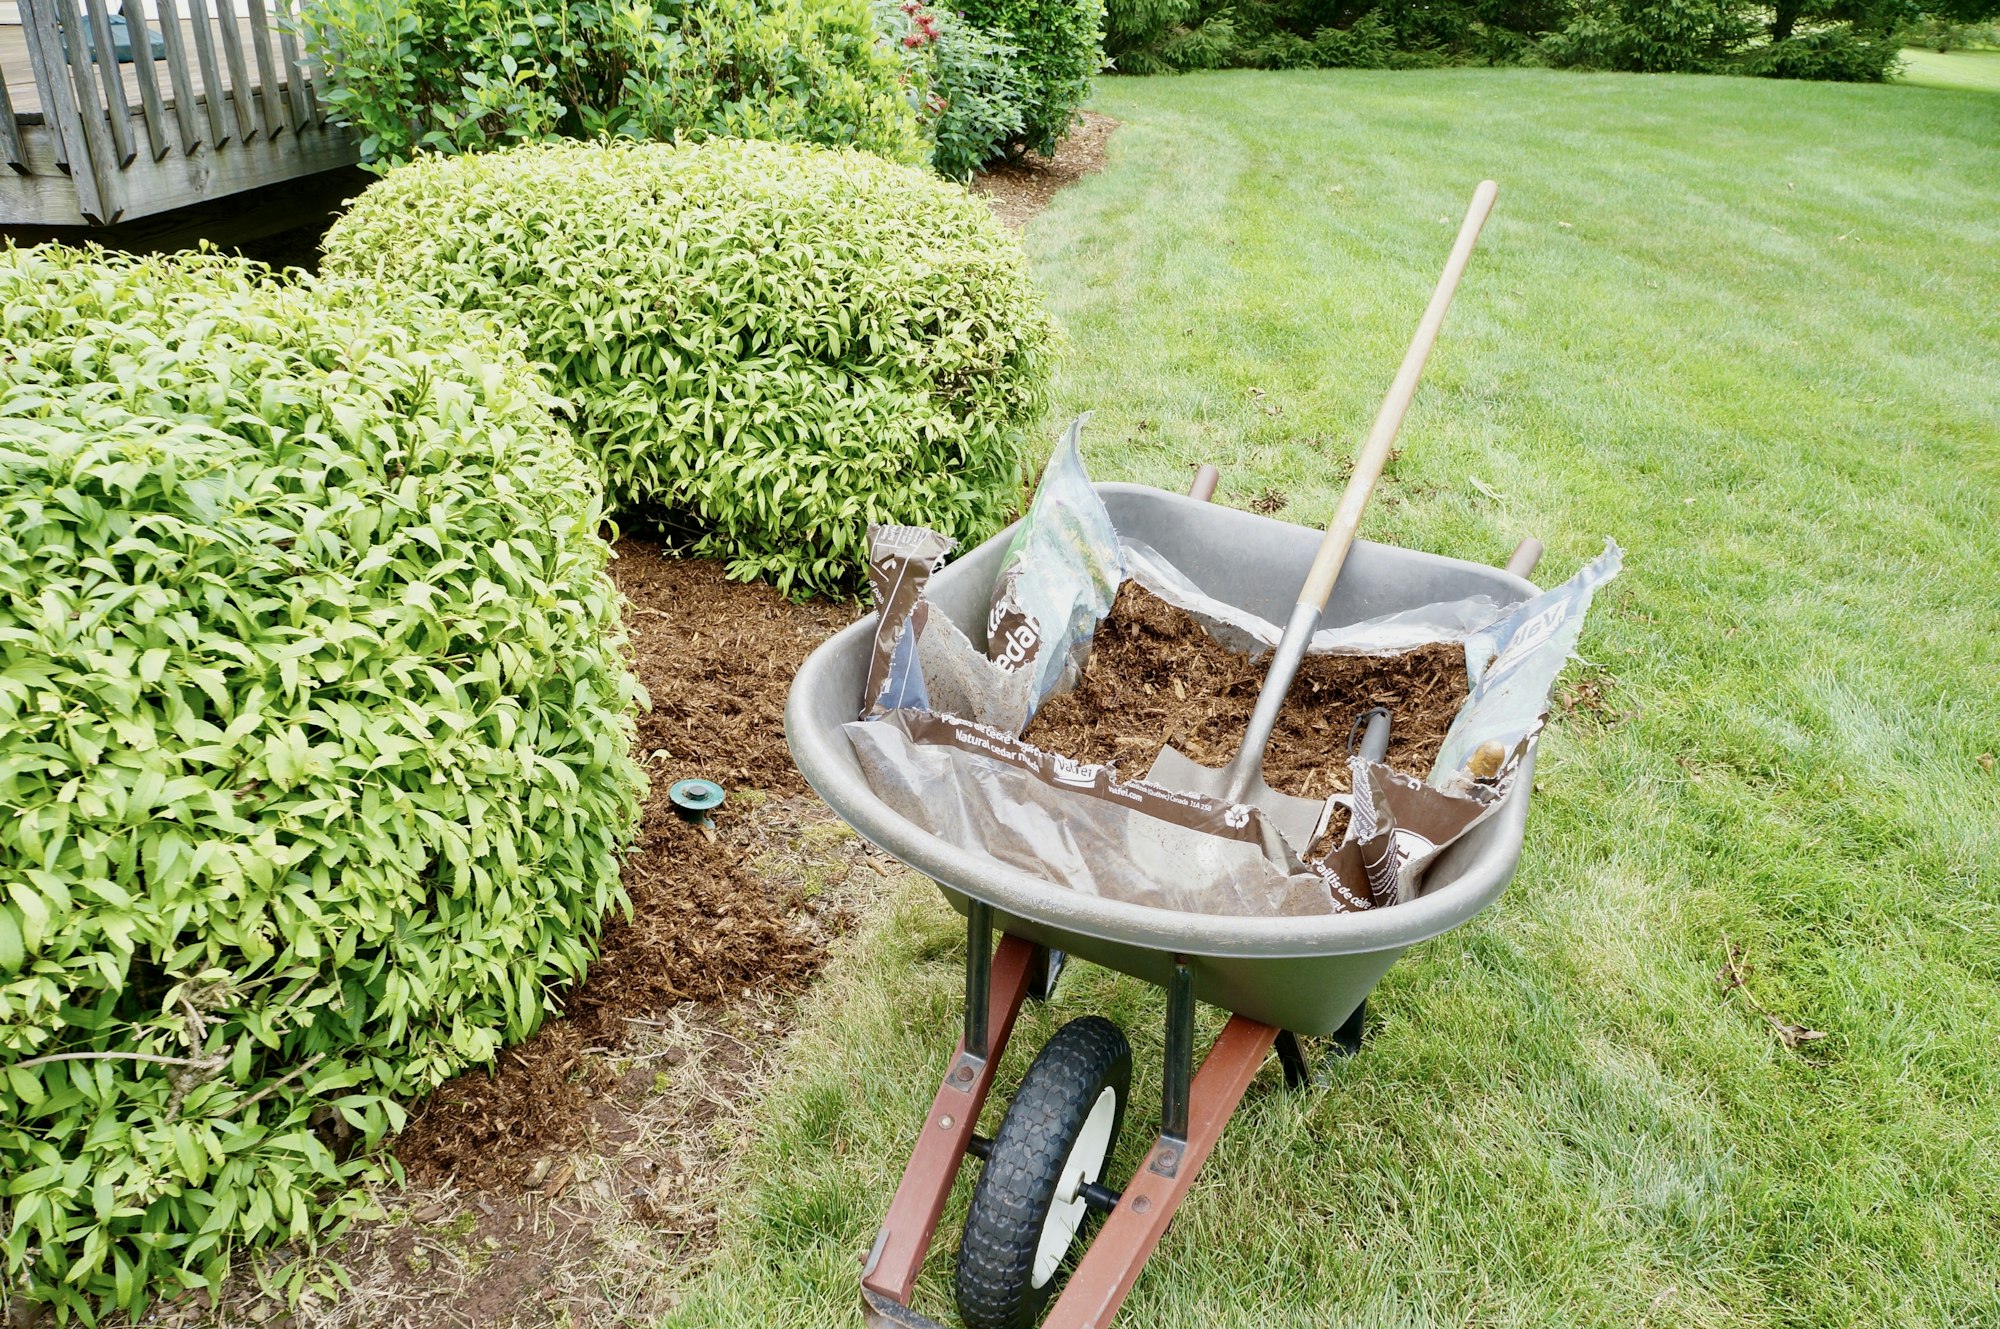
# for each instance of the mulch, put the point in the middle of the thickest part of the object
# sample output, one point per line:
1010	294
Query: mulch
717	658
1019	187
1155	677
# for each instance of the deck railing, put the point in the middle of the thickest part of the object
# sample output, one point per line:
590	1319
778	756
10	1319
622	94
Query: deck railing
167	104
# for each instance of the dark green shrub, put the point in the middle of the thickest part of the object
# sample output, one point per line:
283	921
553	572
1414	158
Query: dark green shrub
1138	28
470	75
1212	44
312	746
1061	46
1651	36
1369	44
1660	36
1838	54
967	81
774	345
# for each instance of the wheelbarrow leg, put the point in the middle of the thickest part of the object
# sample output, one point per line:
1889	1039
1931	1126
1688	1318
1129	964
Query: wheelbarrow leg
1109	1268
1292	1054
890	1272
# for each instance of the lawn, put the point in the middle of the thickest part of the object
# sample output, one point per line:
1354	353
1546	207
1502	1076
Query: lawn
1747	328
1975	70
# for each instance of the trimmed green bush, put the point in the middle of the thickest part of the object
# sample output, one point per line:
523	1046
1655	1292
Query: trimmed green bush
416	76
771	345
1061	46
313	746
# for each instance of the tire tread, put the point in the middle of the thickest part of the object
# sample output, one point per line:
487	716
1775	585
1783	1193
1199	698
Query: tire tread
996	1258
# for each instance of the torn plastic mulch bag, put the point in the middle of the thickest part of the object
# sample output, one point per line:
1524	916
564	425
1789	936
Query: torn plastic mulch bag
1083	827
1513	664
1055	585
1248	634
1057	579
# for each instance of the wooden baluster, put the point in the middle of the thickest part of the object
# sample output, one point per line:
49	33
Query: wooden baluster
149	80
277	115
177	70
249	115
110	77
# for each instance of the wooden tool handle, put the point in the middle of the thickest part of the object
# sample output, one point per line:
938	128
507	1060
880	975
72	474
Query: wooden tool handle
1374	454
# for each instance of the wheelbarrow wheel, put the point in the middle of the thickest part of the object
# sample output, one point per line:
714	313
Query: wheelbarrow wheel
1028	1206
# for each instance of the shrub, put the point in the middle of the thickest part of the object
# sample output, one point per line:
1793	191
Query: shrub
1134	31
1838	54
312	744
470	75
1061	45
1651	36
1369	44
1214	44
967	82
1661	36
772	345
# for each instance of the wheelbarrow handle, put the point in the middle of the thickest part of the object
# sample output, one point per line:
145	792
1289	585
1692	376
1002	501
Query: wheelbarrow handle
1526	556
1374	454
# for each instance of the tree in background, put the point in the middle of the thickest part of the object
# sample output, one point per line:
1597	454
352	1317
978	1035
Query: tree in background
1834	39
1946	24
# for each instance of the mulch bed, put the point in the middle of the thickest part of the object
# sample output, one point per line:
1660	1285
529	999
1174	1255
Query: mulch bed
1018	188
1155	677
717	658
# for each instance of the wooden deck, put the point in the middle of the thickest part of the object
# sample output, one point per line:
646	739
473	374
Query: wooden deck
19	74
230	106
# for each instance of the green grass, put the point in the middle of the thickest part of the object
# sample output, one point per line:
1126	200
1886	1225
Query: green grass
1975	70
1749	329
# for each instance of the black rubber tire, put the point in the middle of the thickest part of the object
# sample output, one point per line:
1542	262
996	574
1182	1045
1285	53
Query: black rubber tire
996	1259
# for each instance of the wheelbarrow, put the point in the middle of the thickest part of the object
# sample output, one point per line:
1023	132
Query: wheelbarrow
1281	978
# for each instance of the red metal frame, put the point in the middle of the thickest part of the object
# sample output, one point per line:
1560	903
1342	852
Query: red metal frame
906	1233
1112	1263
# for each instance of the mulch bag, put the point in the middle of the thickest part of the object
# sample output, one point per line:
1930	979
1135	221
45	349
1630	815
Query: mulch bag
1081	826
1397	826
1057	579
1249	634
1056	583
1513	665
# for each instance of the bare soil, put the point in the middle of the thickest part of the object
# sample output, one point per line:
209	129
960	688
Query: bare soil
1155	677
1020	187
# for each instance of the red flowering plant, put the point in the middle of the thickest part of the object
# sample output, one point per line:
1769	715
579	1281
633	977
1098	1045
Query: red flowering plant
963	82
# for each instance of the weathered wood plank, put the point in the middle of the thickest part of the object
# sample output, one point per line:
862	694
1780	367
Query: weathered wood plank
10	133
308	66
277	115
45	196
109	76
185	109
178	181
211	77
83	147
249	115
149	82
50	79
295	70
